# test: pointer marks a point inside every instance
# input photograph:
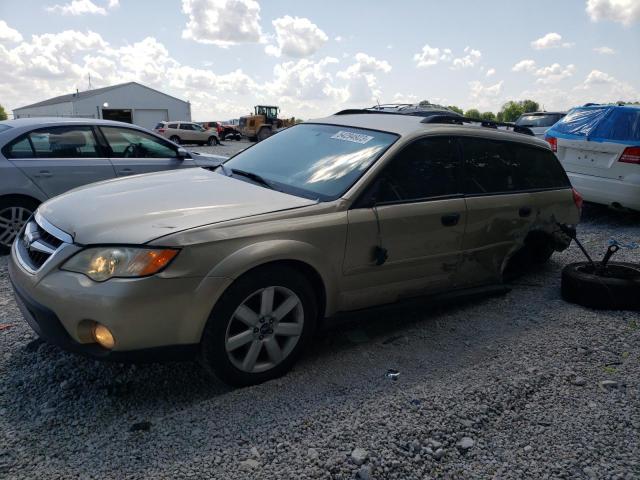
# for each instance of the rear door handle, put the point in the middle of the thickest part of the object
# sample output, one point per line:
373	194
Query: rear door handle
44	174
450	219
125	171
524	211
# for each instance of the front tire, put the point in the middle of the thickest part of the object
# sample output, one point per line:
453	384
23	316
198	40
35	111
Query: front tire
263	134
14	213
213	141
260	326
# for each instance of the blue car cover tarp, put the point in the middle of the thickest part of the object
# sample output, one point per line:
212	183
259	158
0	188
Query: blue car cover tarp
602	123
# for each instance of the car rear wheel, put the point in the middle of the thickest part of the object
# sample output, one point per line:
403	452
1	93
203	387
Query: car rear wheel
259	326
14	213
175	139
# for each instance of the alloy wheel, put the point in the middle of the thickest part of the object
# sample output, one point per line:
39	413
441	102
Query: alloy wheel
12	219
264	329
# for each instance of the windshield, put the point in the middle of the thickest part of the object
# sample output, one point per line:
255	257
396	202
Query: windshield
538	120
314	161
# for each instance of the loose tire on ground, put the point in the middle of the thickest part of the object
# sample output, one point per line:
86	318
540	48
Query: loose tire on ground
618	290
218	334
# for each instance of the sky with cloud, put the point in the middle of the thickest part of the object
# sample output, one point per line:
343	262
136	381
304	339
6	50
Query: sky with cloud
314	58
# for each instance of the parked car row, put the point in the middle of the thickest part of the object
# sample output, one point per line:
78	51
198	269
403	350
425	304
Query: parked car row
44	157
188	132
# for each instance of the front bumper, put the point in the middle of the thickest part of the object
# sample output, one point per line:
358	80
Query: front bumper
151	318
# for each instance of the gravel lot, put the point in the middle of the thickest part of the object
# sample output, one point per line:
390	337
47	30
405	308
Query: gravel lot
504	387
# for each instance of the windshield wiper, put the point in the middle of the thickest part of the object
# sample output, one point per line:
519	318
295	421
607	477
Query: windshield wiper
253	176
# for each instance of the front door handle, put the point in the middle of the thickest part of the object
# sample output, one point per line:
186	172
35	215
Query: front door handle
450	219
524	211
44	174
125	171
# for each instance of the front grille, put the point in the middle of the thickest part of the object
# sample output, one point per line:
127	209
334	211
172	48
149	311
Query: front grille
36	244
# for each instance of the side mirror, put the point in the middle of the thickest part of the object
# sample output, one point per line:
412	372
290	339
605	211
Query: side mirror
182	153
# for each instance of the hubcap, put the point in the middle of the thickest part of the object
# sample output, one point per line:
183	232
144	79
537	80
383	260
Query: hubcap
264	329
12	219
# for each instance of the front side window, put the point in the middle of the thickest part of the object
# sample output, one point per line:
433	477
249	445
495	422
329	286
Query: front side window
127	143
64	142
314	161
186	126
426	168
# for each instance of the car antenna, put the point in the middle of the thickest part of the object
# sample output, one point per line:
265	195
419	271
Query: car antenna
380	254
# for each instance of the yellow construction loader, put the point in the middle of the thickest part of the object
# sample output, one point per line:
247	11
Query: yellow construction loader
263	123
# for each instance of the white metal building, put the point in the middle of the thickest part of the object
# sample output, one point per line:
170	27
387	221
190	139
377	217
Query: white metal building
127	102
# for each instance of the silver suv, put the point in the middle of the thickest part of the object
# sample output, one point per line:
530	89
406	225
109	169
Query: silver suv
44	157
237	266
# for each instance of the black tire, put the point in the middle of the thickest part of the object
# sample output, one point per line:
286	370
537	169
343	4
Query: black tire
8	228
536	250
263	134
213	352
212	141
238	137
175	139
619	289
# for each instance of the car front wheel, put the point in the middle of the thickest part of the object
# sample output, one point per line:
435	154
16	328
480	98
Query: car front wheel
259	326
212	141
14	213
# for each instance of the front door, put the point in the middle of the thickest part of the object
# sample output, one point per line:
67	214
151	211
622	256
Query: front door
417	222
133	152
58	159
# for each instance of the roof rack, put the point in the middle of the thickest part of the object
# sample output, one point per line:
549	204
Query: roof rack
459	120
440	116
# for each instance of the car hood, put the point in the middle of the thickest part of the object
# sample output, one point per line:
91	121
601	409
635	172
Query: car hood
139	209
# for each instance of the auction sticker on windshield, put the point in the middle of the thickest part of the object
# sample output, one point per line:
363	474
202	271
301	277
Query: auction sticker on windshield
352	137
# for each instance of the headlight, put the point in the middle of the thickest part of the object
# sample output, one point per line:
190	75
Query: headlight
103	263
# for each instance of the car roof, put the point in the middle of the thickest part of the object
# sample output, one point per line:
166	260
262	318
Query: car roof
405	125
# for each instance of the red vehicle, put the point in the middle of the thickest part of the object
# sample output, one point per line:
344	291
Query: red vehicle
225	131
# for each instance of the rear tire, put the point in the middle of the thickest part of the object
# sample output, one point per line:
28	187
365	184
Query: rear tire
619	289
175	139
247	339
263	134
14	213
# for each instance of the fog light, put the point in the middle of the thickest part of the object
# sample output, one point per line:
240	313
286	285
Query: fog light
103	336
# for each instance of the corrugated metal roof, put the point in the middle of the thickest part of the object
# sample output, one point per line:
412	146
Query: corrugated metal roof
71	97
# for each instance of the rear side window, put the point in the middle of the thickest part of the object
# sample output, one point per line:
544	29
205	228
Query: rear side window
173	125
426	168
536	168
492	166
488	166
55	142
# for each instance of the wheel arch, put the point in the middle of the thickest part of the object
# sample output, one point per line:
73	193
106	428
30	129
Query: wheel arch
20	196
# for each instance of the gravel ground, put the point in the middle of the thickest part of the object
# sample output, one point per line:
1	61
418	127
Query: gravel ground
226	147
503	387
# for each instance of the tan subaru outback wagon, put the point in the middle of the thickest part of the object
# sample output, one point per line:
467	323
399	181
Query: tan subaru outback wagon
238	265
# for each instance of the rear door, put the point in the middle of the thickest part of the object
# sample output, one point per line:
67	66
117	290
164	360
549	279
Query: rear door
499	211
418	220
133	152
60	158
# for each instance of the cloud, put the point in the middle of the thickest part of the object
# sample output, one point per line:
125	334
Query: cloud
430	56
362	82
621	11
490	72
338	39
222	22
82	7
484	96
296	37
8	34
550	40
554	73
604	50
365	64
524	66
471	59
405	98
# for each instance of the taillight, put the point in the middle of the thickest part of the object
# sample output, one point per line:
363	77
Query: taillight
553	141
577	198
630	155
161	130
